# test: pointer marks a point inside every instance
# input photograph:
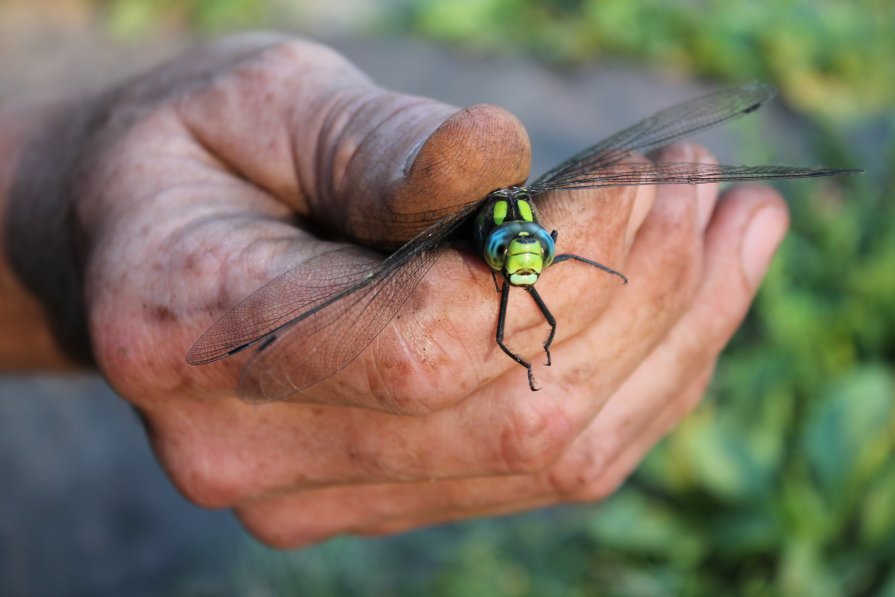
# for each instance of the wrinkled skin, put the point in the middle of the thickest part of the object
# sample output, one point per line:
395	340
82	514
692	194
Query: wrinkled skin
184	201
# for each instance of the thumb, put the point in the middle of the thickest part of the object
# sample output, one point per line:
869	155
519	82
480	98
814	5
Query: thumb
399	193
298	120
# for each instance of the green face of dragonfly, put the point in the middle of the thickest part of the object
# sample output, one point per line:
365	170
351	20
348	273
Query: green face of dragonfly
517	246
525	260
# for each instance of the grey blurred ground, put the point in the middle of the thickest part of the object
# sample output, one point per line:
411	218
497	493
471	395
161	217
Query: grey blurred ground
84	509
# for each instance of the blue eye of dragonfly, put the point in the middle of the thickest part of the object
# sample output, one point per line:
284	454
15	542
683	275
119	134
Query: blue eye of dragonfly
313	320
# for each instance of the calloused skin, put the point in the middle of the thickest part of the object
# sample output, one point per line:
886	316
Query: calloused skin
183	200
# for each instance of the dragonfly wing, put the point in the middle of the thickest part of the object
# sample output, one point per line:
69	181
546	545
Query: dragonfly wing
307	351
625	174
665	127
326	339
296	293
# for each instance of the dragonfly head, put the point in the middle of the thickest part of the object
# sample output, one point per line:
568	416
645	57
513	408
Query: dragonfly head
521	250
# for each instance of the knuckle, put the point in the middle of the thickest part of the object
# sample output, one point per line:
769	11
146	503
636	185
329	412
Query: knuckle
679	151
702	154
207	490
276	524
603	482
576	472
205	477
598	488
533	438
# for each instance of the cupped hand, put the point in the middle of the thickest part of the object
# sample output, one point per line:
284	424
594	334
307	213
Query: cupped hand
215	173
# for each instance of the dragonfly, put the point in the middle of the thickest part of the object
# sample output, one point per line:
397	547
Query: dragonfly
316	318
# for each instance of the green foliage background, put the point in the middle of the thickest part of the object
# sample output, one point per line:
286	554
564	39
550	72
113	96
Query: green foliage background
783	481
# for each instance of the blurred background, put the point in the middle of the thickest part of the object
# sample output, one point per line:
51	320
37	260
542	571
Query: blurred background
781	483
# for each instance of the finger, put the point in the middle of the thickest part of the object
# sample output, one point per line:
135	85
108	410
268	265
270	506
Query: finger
579	478
300	121
306	517
629	456
707	193
743	234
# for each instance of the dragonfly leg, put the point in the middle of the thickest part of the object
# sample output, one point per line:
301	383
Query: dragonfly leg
607	269
494	277
548	316
501	322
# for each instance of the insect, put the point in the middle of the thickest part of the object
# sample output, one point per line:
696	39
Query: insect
337	302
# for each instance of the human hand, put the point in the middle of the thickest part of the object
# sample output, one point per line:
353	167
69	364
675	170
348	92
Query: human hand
184	204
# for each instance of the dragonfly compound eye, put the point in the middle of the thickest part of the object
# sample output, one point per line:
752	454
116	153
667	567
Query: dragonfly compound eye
495	251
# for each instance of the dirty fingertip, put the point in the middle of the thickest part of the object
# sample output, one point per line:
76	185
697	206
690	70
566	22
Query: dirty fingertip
473	152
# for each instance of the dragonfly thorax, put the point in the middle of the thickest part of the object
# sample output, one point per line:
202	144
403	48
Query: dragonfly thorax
511	239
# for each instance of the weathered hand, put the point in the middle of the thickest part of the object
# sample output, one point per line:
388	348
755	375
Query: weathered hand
186	201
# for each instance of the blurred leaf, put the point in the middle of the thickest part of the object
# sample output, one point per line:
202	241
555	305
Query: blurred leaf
877	514
487	572
848	436
220	15
129	19
628	522
723	460
804	572
748	532
888	589
806	514
831	59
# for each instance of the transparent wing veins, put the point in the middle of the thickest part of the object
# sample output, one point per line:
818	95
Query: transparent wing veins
351	293
663	128
626	174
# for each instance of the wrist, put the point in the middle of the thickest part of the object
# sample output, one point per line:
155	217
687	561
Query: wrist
41	306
